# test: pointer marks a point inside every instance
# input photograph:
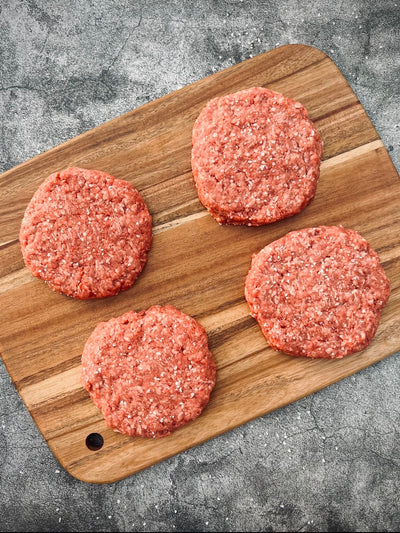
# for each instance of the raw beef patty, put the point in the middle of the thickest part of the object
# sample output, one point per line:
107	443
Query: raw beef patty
255	157
149	372
317	292
86	233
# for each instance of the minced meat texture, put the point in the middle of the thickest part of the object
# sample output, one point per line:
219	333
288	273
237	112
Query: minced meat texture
86	233
318	292
149	372
255	157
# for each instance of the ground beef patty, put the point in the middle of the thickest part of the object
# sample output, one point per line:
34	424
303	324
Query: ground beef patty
317	292
149	372
255	157
86	233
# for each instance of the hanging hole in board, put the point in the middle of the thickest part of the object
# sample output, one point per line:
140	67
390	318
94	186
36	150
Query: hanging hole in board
94	441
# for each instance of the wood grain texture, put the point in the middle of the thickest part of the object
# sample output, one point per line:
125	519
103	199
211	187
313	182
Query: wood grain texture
194	263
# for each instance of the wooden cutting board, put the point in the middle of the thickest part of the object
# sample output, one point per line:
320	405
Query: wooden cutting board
194	264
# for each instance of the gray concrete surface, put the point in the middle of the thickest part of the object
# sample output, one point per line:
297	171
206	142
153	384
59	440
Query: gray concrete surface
327	463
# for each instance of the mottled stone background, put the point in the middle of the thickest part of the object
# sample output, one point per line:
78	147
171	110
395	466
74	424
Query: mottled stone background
329	462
